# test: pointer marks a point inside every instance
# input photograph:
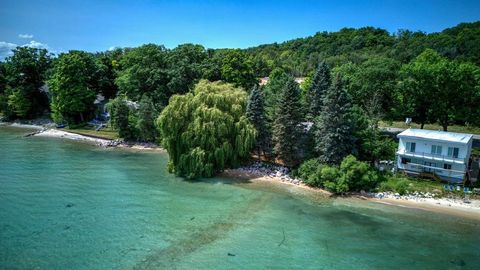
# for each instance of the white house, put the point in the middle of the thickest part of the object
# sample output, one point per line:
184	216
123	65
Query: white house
436	154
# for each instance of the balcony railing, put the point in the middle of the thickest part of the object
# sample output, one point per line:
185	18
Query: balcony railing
419	168
431	156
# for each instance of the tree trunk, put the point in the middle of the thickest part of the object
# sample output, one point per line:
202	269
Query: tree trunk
421	125
81	117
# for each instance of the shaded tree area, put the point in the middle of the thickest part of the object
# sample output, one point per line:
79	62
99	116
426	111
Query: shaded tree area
287	128
257	116
435	89
73	86
206	130
22	77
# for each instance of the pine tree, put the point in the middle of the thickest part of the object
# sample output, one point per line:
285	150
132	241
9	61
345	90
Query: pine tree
287	127
334	133
320	84
256	114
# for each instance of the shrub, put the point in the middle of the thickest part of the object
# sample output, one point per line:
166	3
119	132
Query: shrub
395	184
310	172
358	175
352	175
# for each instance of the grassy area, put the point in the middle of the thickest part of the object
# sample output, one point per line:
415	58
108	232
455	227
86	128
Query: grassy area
405	185
454	128
105	133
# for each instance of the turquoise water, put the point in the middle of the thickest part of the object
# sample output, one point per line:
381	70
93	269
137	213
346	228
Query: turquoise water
70	205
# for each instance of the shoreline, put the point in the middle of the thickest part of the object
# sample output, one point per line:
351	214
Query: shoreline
448	206
46	131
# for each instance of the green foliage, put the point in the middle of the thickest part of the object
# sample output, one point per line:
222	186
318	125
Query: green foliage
372	85
357	175
393	184
144	70
310	171
19	104
320	84
287	129
334	128
233	66
122	118
256	114
436	89
106	63
276	83
147	131
185	64
21	77
372	146
72	86
351	175
206	131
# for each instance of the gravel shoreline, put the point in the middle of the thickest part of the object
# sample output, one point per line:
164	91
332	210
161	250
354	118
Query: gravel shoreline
427	201
47	131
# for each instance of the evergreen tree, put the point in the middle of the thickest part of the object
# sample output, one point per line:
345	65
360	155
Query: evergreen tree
334	133
256	115
319	86
287	129
147	131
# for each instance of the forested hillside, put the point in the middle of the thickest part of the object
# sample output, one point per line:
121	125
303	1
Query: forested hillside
433	78
300	56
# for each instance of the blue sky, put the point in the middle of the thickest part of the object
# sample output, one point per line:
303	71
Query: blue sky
100	25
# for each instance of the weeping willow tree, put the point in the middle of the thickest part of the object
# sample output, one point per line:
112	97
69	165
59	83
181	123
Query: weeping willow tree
206	131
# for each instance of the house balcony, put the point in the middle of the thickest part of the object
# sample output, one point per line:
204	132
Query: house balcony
433	157
432	172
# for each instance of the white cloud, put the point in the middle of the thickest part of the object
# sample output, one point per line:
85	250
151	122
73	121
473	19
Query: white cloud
27	36
35	44
6	49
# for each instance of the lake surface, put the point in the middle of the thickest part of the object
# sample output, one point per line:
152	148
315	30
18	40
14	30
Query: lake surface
70	205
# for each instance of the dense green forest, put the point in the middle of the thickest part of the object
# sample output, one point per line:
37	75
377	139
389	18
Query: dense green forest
353	79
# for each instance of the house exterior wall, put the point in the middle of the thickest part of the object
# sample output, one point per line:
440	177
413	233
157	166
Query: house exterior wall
422	160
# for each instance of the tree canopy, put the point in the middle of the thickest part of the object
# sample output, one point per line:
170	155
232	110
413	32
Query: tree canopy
22	77
334	128
206	131
72	86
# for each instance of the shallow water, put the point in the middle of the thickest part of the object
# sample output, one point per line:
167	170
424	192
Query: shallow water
70	205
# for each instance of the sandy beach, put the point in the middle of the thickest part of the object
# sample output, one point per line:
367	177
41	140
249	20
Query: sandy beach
451	206
43	131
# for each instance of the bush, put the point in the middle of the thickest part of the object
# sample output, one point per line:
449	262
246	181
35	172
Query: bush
352	175
310	172
395	184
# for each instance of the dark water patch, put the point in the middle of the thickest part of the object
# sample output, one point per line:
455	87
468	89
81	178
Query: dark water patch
177	250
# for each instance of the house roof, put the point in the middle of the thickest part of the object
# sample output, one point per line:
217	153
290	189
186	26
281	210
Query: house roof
436	135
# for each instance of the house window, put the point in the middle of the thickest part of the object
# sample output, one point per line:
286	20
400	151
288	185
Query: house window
436	150
411	146
405	160
447	166
453	152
